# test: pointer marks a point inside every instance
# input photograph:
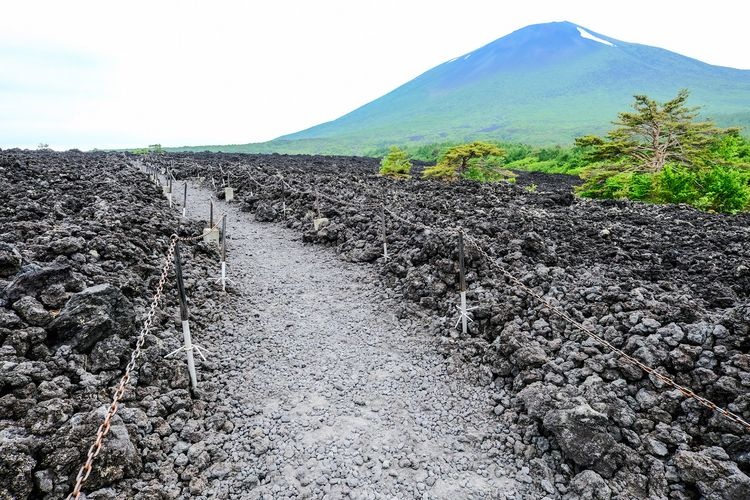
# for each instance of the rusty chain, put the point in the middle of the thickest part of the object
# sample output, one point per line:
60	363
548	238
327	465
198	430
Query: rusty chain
551	307
104	427
565	316
96	447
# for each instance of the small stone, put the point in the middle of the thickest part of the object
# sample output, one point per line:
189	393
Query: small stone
32	311
548	486
352	482
10	260
656	447
590	486
43	480
197	486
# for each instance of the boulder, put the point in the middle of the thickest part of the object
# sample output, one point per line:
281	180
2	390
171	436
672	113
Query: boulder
67	245
538	398
118	458
9	319
588	485
106	354
713	473
32	311
530	356
264	212
10	260
16	458
90	315
54	297
582	435
35	279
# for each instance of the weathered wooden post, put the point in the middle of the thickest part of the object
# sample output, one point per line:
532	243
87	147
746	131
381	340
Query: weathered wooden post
283	194
211	234
188	347
184	201
385	243
169	191
462	284
224	253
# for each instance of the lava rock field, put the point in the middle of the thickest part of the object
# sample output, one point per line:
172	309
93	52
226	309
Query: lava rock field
668	285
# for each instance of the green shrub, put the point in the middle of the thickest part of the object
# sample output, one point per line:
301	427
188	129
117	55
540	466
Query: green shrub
641	187
488	169
718	189
604	182
481	157
396	164
676	184
440	171
725	190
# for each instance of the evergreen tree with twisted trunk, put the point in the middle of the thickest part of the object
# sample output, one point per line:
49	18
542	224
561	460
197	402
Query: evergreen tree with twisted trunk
654	134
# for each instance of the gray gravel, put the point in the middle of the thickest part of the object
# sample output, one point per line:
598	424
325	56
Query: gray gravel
321	392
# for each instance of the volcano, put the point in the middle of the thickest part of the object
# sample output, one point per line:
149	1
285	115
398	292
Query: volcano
542	84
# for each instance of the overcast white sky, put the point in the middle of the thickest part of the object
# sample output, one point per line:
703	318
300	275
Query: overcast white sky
118	74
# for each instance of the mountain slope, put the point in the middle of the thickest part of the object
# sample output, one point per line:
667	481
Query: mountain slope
543	84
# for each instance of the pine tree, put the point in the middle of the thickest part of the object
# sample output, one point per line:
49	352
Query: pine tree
654	134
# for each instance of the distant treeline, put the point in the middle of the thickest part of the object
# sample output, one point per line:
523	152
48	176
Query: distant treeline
550	159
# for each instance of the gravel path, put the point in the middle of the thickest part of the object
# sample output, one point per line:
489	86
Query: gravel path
329	395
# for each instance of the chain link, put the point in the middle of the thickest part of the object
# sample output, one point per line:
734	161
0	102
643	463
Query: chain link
554	309
565	316
85	471
104	427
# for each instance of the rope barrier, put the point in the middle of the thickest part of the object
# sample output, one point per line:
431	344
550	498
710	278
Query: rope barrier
93	452
104	427
566	317
553	309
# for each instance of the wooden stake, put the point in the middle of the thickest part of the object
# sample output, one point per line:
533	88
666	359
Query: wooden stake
184	317
385	243
224	237
224	253
462	284
461	266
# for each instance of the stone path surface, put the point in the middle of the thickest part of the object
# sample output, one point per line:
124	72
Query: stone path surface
329	395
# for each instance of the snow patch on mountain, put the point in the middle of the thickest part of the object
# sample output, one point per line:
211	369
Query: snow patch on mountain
586	34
